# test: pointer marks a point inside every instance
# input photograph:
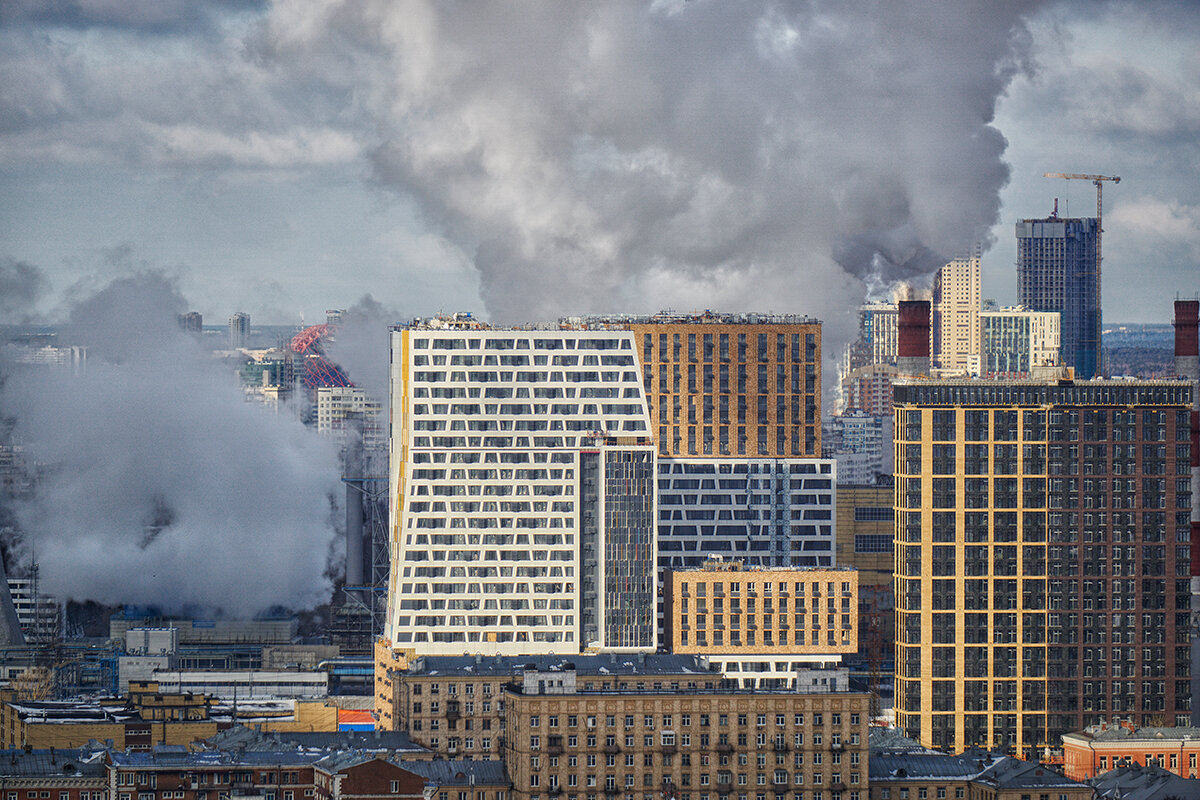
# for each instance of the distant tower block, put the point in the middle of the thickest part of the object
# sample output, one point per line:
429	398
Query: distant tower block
239	330
913	344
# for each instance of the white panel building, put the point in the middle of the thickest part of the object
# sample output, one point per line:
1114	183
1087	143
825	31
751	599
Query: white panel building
522	475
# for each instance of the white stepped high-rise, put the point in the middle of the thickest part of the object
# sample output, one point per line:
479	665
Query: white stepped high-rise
523	477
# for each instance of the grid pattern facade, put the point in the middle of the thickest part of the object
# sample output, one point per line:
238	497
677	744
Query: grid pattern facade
337	406
724	610
865	529
698	744
618	576
869	389
878	336
1016	340
1042	556
736	389
763	512
1057	270
488	428
956	290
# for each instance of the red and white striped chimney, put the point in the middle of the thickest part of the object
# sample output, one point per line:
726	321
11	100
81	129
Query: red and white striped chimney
912	352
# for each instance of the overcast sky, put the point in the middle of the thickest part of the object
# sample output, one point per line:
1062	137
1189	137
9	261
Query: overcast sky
525	160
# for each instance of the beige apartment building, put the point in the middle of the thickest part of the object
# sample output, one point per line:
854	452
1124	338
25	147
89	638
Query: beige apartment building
562	738
454	705
725	608
956	300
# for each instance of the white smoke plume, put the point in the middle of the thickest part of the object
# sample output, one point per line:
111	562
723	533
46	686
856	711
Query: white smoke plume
164	486
629	156
362	345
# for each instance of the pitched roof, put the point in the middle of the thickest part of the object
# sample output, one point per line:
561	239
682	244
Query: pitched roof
1136	782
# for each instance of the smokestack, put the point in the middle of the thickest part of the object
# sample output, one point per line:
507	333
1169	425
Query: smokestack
1187	339
913	344
1187	366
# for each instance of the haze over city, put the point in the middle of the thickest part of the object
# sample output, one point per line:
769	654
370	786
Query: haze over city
752	393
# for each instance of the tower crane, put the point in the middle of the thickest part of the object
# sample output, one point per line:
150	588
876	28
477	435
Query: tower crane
1099	181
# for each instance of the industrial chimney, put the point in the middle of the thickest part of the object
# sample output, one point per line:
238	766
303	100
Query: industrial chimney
912	358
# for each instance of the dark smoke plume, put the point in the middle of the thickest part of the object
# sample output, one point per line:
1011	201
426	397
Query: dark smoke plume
163	486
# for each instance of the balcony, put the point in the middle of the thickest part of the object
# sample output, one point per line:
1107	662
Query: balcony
611	749
725	748
781	747
668	749
554	749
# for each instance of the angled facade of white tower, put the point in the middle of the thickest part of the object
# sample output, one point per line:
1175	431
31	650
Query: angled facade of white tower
523	480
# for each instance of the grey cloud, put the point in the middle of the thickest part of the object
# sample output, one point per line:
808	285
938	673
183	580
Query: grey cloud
143	16
21	286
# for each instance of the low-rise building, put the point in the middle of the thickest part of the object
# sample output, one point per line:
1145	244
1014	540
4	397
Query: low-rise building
902	769
148	718
1014	779
1136	782
61	774
741	618
1100	748
246	684
453	705
911	774
651	743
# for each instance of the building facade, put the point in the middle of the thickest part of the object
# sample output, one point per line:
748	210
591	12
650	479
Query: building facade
1099	748
865	529
687	744
454	705
860	443
1014	340
1058	270
762	627
1042	558
492	433
239	330
956	299
762	512
722	385
339	408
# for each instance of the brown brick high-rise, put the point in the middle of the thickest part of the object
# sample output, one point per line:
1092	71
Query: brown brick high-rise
732	385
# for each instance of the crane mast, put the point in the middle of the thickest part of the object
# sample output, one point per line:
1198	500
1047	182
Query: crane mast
1098	180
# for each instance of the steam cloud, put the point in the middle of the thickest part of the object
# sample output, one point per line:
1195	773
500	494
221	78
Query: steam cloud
165	487
625	155
21	285
362	345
